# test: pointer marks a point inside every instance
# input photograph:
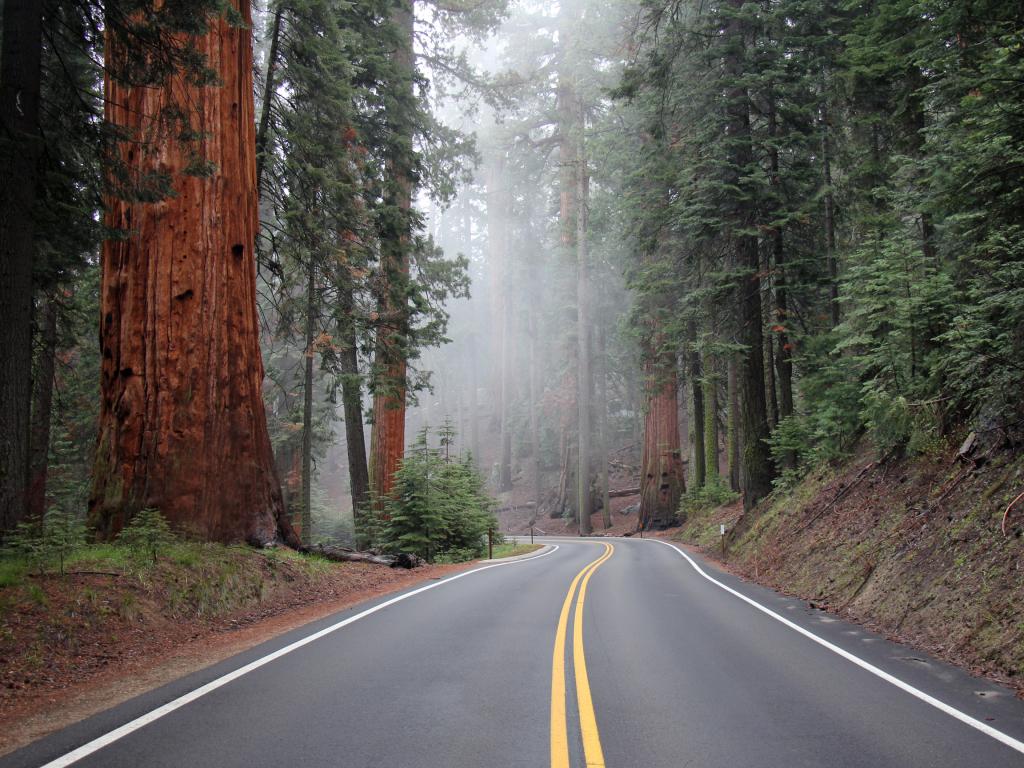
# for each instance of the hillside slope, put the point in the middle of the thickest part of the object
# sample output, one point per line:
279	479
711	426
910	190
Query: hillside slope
910	547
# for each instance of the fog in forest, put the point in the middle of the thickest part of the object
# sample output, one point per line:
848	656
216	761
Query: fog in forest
505	379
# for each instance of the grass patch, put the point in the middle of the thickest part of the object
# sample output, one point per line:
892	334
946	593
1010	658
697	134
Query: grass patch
514	550
13	570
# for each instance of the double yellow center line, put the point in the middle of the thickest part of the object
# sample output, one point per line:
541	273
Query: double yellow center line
588	723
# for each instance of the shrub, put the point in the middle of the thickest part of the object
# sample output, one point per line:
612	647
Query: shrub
56	537
438	507
148	532
708	496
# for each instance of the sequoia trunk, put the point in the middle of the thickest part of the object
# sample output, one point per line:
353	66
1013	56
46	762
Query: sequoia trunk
387	438
661	475
182	422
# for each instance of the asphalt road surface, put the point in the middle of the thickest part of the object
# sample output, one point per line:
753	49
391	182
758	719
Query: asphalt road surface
616	652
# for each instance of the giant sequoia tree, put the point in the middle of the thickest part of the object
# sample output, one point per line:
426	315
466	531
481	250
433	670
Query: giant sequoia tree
182	424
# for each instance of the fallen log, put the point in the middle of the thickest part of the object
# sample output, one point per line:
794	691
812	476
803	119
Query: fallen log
622	492
345	555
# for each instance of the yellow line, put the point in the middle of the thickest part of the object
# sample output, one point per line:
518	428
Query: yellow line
559	733
592	751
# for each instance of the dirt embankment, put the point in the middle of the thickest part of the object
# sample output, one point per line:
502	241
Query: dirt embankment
910	547
116	626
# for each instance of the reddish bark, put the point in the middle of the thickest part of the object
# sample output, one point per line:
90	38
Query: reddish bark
662	478
182	421
387	437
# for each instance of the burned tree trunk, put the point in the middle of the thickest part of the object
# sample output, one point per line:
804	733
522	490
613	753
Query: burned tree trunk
182	422
662	481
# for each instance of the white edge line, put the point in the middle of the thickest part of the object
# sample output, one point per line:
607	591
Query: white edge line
133	725
988	730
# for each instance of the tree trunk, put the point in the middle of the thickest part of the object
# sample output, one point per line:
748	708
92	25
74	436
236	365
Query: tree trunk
182	423
307	406
756	469
42	406
534	416
769	372
661	476
497	229
267	107
584	376
387	439
830	217
732	431
697	390
782	347
20	148
602	428
572	189
352	400
710	385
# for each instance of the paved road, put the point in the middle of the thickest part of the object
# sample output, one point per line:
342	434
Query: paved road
664	666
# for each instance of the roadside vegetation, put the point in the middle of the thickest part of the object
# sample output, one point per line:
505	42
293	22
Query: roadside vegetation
510	549
911	545
438	509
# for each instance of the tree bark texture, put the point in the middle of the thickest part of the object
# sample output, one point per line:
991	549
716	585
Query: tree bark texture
662	480
182	422
20	148
387	438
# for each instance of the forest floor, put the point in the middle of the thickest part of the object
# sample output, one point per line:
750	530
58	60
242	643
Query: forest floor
116	626
910	548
